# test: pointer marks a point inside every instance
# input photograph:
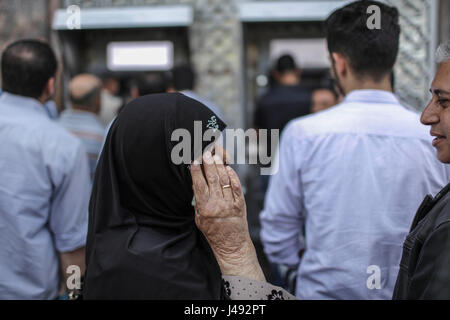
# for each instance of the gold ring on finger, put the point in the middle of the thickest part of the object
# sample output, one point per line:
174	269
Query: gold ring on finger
226	186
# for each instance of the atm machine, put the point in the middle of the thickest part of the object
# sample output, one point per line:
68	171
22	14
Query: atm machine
122	41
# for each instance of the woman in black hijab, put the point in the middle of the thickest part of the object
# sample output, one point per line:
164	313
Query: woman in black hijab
142	239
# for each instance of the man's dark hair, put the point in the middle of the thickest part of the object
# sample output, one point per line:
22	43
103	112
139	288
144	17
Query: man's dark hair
183	78
27	65
370	52
285	63
152	82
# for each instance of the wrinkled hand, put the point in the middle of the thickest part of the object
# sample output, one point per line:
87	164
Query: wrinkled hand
221	215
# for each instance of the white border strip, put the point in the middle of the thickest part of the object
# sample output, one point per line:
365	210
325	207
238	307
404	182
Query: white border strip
127	17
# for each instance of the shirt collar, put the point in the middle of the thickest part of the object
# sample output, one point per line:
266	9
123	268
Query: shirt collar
371	96
81	114
23	103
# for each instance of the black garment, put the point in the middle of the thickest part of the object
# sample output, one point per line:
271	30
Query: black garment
280	105
425	264
142	240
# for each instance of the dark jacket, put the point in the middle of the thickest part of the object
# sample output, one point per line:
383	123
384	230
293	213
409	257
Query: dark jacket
280	105
425	264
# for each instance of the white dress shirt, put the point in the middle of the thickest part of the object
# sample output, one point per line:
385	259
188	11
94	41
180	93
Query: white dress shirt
350	180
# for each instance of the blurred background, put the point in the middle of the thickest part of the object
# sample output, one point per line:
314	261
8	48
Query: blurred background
230	44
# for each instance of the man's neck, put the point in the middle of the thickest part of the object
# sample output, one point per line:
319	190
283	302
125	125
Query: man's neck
42	101
43	98
384	85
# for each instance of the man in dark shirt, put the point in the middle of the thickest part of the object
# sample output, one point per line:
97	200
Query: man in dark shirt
286	101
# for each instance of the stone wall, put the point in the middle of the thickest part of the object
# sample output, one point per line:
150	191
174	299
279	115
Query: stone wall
22	19
444	18
414	68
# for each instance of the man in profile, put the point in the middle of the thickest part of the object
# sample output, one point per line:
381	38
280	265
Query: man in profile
425	264
44	180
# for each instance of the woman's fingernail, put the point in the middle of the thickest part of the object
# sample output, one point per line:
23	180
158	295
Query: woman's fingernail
208	154
196	163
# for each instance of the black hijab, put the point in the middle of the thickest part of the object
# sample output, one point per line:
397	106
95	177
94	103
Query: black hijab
142	241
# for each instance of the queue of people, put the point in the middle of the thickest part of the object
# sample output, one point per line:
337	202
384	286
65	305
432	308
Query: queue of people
97	189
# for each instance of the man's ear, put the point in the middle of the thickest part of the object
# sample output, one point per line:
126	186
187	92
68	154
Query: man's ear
49	90
341	65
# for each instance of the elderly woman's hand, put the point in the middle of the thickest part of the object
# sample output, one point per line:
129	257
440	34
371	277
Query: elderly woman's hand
221	215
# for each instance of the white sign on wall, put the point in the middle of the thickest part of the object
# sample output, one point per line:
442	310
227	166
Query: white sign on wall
140	56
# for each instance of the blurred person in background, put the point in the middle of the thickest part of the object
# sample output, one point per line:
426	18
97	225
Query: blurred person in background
322	99
351	177
44	180
285	101
82	119
111	103
149	83
183	81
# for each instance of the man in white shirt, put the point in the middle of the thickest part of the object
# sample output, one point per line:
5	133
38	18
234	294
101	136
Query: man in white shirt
111	103
351	177
44	181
